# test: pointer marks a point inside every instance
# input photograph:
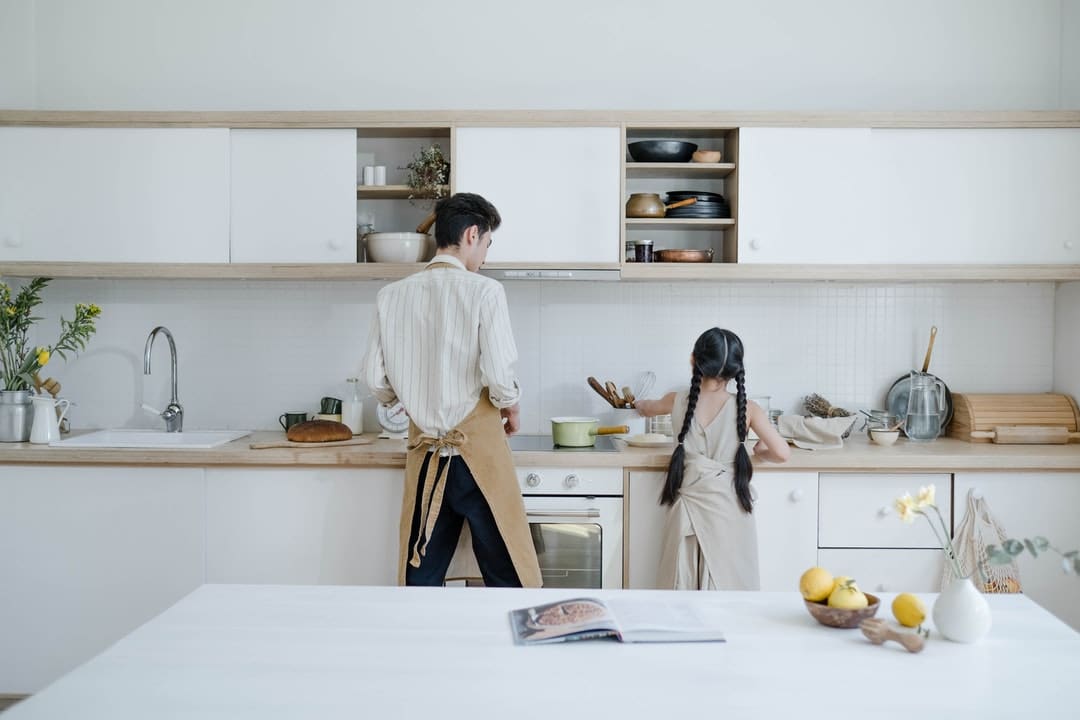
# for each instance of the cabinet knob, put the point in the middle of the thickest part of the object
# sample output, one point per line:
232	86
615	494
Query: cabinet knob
571	481
884	511
755	244
335	244
532	479
881	588
1068	244
796	495
12	241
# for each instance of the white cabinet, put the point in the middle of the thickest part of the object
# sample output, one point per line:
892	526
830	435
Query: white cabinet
805	196
557	190
88	554
293	196
786	517
114	194
1028	505
856	510
303	526
977	196
887	569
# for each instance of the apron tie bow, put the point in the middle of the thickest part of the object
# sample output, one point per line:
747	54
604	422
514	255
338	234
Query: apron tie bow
434	486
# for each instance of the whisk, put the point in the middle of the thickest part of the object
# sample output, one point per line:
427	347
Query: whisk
645	384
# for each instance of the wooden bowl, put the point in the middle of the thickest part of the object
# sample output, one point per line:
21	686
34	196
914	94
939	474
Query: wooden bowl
707	156
842	617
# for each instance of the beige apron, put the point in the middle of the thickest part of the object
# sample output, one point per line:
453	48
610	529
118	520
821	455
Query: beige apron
480	440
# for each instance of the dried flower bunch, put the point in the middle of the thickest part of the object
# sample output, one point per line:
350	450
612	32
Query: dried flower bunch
18	360
429	173
820	407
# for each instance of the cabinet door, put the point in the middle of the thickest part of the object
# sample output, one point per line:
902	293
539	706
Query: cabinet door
804	196
887	570
645	528
1027	505
786	517
114	194
303	526
978	196
293	195
856	510
557	190
87	554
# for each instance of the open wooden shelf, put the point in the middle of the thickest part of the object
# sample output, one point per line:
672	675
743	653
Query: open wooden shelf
680	224
391	192
717	271
688	171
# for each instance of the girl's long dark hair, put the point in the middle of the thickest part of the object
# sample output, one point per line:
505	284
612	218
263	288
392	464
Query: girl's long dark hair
717	354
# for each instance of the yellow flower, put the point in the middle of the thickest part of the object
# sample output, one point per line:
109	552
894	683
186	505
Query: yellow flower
10	310
905	508
925	498
42	357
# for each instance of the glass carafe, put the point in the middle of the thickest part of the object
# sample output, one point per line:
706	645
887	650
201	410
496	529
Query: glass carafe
926	404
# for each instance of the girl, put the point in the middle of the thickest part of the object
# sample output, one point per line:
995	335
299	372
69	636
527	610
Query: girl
710	540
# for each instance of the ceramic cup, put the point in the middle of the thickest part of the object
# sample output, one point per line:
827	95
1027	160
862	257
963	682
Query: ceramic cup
290	418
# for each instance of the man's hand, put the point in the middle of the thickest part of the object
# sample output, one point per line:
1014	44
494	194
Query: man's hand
511	418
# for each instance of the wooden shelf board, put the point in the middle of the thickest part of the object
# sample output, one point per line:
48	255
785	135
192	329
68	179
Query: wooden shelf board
390	192
680	224
677	170
733	272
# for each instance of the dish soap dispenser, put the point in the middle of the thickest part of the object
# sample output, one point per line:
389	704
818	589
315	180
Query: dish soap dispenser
352	409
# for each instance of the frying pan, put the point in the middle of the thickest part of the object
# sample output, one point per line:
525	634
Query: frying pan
897	398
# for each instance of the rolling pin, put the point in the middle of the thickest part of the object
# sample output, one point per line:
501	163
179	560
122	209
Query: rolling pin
1027	435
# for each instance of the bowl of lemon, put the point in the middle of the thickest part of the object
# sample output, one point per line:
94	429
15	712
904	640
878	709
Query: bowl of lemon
836	601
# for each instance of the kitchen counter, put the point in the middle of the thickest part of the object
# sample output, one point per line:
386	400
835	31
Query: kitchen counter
858	454
356	652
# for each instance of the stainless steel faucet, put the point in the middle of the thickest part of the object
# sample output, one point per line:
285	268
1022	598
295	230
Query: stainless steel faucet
173	415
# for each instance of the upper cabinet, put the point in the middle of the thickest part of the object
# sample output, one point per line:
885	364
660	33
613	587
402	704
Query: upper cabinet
293	196
977	196
557	190
805	196
155	195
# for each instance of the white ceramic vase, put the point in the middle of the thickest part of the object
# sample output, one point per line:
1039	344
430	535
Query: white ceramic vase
961	613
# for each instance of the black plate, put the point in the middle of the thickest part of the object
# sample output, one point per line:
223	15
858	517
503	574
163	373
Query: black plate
701	195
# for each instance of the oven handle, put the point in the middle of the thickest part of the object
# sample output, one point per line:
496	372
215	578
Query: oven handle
590	513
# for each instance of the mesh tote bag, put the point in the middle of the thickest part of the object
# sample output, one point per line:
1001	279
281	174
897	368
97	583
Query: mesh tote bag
978	529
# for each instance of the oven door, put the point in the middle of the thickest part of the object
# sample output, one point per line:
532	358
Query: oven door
578	540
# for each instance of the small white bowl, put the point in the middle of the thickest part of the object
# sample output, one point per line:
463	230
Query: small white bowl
884	437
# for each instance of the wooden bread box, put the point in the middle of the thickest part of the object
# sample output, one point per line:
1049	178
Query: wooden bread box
1022	418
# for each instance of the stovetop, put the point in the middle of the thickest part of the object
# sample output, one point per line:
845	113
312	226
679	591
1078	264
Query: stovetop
544	443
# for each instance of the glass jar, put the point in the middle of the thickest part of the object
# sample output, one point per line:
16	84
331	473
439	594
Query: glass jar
630	250
643	251
881	420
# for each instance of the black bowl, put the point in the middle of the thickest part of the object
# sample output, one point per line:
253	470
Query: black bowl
662	150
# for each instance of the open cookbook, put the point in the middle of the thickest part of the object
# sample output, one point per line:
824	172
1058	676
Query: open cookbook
627	620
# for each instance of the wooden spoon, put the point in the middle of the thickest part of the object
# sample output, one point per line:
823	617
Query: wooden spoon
929	349
613	391
878	631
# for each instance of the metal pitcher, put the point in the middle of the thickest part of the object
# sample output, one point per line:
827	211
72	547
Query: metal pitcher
16	414
926	404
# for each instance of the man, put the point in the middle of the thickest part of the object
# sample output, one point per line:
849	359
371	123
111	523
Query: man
441	343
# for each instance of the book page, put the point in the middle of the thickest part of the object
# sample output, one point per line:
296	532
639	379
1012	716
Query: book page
573	619
667	620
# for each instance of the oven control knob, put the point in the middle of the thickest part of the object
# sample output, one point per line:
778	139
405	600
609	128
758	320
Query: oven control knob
532	479
571	481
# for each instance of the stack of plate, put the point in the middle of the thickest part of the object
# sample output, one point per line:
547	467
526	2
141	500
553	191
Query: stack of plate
708	205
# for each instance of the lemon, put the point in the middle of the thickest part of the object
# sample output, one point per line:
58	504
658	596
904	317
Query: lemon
908	610
847	596
816	584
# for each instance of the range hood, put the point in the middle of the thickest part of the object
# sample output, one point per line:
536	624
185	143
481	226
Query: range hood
523	271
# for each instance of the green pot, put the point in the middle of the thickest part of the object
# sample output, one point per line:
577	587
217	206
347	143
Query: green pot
580	431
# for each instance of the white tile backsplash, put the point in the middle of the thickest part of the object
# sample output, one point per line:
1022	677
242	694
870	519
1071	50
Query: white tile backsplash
250	350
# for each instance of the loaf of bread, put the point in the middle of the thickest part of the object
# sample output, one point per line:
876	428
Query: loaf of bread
315	431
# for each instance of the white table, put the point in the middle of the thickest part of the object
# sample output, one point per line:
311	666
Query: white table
362	653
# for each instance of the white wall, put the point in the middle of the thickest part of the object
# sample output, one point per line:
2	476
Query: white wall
249	351
715	54
1067	339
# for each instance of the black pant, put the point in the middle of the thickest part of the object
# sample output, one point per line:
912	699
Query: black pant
462	500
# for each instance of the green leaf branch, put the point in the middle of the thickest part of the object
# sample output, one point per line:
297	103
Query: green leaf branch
1070	561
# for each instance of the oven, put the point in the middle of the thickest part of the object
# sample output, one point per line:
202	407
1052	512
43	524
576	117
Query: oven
575	515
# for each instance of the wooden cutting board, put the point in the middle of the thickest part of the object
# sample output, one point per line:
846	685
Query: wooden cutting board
358	440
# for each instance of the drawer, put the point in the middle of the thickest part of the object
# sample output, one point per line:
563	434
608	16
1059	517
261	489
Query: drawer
893	571
855	510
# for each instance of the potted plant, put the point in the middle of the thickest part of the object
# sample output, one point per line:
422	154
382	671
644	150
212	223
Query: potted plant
20	361
429	174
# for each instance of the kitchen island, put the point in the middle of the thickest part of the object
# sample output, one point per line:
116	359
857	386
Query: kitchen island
375	652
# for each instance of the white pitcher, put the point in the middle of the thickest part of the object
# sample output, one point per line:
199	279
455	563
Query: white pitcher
46	427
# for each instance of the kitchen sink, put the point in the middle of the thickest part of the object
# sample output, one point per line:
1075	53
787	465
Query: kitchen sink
192	439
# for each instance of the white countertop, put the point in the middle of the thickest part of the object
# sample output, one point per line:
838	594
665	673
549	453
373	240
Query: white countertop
353	653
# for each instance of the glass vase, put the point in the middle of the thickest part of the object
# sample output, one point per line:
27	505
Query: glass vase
961	613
